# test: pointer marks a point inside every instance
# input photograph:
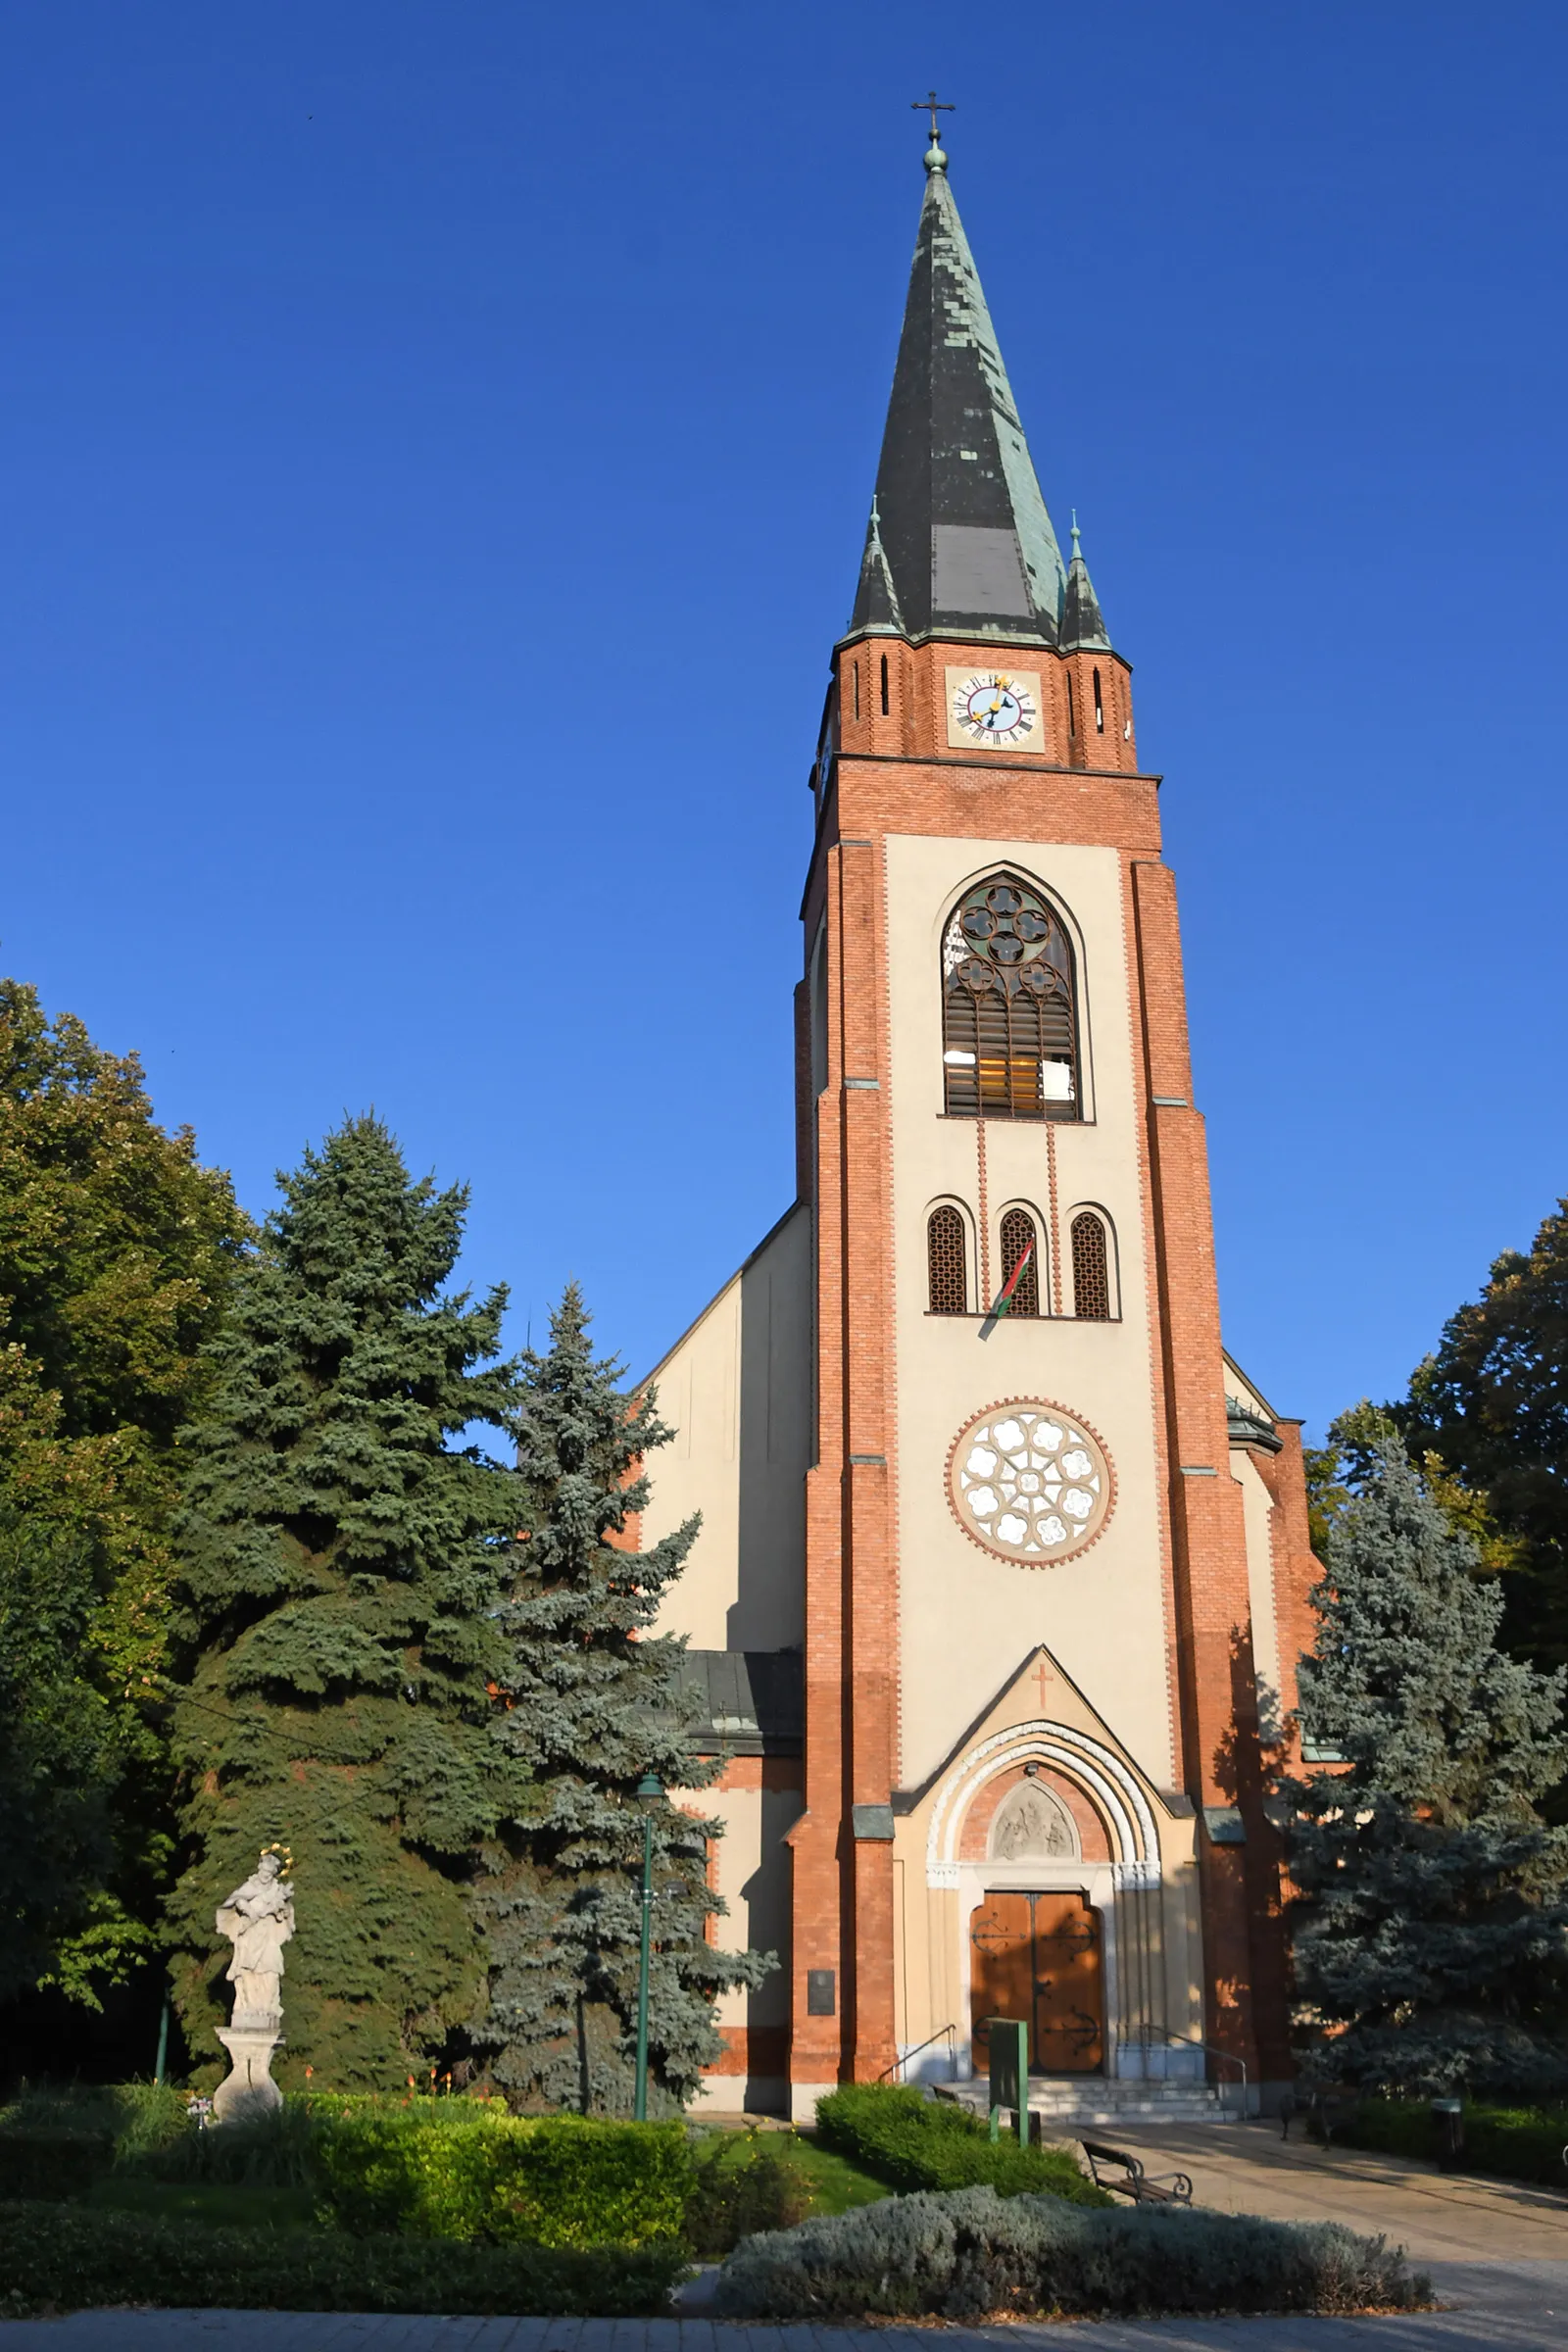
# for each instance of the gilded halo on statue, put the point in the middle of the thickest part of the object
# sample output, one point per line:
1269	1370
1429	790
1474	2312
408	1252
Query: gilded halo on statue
1030	1482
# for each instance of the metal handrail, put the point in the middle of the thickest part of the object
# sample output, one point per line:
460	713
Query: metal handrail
1193	2043
943	2033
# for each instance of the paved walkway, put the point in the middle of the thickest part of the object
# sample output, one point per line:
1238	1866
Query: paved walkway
1520	2307
1438	2216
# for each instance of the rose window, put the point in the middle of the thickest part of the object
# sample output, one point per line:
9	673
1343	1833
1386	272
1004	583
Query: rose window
1029	1482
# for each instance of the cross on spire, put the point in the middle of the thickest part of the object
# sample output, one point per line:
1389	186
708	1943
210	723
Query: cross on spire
933	105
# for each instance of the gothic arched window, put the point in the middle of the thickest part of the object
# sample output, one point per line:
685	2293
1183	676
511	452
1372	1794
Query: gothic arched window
947	1258
1010	1031
1091	1268
1018	1237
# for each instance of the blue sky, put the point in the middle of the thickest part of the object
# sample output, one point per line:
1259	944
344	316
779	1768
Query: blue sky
437	438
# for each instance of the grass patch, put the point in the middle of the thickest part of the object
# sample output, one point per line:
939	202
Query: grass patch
839	2185
751	2181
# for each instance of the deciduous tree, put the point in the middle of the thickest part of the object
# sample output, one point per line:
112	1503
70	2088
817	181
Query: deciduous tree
116	1249
1493	1402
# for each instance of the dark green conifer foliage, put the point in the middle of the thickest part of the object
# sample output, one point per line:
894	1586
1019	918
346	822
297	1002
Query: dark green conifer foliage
338	1555
594	1703
1430	1926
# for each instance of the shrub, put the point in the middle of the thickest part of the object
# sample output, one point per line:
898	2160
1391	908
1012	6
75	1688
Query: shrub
914	2142
742	2185
966	2255
258	2151
1519	2143
49	2161
502	2179
57	2258
134	2118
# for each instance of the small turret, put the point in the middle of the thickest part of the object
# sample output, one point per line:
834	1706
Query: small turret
1083	628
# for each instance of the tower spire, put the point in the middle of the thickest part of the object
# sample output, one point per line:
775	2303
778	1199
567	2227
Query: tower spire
960	542
1083	629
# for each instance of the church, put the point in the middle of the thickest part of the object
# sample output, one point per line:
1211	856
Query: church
1004	1563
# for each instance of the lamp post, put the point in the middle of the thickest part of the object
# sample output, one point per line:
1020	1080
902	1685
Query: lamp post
649	1790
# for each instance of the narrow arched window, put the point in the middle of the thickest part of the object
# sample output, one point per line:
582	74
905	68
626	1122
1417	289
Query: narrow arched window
1072	727
947	1258
1010	1031
1020	1246
1099	708
855	667
884	685
1091	1268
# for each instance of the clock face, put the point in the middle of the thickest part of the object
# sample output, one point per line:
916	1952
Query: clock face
994	707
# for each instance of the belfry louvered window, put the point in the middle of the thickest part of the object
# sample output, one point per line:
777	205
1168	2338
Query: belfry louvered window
1020	1245
1010	1031
948	1259
1091	1268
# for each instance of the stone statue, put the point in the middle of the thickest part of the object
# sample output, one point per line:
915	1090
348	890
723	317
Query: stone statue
257	1919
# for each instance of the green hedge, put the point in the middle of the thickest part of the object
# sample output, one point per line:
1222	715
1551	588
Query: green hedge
134	2118
501	2180
971	2254
420	2168
52	2161
1518	2143
62	2258
913	2142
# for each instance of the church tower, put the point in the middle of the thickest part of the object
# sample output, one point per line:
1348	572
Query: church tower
1003	1568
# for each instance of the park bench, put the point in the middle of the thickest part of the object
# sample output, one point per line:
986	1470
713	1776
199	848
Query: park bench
1321	2111
1168	2188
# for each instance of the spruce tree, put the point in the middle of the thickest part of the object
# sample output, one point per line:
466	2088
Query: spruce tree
593	1702
1431	1912
338	1556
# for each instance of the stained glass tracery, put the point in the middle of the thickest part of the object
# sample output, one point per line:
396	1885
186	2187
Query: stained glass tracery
1008	1024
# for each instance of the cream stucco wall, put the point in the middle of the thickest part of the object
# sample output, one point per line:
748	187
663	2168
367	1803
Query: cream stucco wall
737	1390
965	1616
1256	1506
752	1876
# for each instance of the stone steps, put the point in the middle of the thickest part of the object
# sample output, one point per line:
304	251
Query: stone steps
1088	2101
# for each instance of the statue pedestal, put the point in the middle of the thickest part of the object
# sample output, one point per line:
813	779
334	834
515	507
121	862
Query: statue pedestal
248	2089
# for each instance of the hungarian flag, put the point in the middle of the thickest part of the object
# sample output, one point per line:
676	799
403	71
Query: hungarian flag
1003	1297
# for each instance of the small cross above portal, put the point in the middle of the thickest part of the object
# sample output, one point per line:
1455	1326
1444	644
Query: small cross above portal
931	104
1042	1676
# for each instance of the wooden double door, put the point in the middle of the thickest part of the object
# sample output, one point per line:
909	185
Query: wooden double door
1038	1957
